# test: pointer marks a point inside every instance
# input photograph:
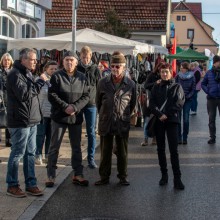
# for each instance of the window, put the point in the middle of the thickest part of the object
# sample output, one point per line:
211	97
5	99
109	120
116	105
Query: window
183	18
28	31
7	27
178	18
190	34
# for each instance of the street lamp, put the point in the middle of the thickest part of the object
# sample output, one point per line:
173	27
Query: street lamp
75	5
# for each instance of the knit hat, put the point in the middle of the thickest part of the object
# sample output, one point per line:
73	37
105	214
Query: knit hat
216	59
105	64
118	59
70	54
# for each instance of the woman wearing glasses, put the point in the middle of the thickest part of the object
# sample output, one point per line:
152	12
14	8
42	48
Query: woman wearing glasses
115	100
166	101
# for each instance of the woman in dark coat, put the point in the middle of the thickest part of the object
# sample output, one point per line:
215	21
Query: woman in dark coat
5	66
170	93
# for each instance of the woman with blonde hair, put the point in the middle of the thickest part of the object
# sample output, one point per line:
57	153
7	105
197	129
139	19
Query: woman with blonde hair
6	63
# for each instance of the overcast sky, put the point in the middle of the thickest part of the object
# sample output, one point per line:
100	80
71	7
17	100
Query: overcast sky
211	15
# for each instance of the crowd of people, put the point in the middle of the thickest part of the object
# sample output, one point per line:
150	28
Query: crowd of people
41	109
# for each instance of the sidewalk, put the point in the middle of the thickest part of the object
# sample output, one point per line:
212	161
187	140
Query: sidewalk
25	208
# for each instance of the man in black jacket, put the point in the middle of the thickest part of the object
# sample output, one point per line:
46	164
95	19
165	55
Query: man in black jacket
68	94
23	116
92	73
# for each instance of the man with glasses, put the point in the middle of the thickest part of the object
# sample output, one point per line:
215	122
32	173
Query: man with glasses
115	100
23	110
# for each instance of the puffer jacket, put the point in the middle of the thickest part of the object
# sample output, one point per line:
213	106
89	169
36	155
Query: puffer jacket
66	91
115	107
23	108
174	94
92	74
211	86
188	83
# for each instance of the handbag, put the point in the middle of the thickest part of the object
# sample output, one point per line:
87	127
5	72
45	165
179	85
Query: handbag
152	122
3	113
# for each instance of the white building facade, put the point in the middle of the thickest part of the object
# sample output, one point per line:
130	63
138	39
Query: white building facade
22	19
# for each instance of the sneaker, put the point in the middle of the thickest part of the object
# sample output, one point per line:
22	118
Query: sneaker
178	184
123	182
211	141
16	192
38	160
50	182
193	113
46	158
34	191
154	142
79	180
102	182
145	142
92	165
164	180
184	142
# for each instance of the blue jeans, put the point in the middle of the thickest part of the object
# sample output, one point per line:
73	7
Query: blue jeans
23	146
90	117
194	101
43	134
146	118
185	111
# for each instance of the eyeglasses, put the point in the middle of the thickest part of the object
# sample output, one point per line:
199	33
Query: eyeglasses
115	66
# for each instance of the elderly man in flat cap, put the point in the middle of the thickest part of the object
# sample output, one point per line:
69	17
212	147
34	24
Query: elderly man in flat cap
115	100
68	94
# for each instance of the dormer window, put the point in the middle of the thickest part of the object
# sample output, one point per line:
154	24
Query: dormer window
178	18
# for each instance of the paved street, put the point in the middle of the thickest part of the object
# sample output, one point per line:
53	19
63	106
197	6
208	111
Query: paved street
144	199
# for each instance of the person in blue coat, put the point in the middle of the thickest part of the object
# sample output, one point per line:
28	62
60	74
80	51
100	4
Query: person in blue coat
211	86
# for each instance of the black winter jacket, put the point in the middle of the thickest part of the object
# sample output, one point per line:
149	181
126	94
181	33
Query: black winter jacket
92	74
65	91
115	107
175	100
23	106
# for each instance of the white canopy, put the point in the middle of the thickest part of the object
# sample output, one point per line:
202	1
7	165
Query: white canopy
98	41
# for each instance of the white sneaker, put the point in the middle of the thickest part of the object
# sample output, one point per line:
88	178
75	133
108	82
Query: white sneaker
38	160
193	113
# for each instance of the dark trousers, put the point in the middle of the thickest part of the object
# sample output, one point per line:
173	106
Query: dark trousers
57	133
171	131
106	146
212	105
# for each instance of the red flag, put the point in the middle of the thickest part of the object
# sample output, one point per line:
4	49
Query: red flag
173	51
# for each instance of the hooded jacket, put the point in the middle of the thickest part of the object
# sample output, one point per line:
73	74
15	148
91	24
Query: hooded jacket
188	83
23	108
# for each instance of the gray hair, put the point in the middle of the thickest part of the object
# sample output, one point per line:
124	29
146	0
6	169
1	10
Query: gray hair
24	53
6	55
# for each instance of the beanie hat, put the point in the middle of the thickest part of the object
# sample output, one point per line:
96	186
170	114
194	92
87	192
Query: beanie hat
216	59
70	54
105	64
118	59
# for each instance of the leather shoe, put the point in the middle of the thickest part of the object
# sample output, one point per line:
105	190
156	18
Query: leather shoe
123	182
211	141
178	184
102	182
164	180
